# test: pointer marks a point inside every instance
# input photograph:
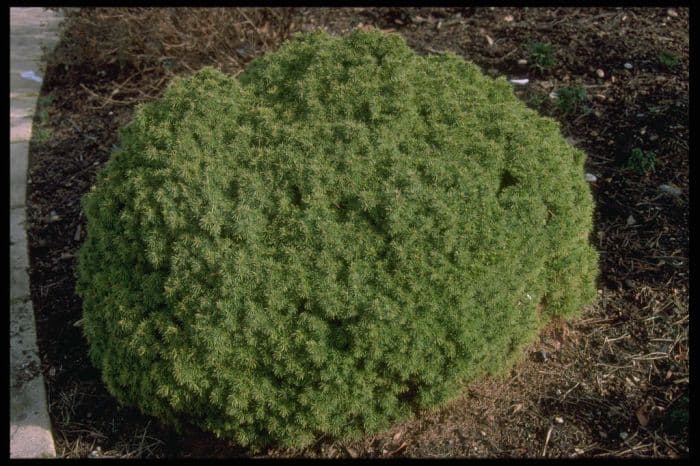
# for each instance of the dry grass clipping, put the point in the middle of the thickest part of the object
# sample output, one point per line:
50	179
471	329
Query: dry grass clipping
138	50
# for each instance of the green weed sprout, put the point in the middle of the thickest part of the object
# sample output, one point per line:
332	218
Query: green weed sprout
641	161
668	59
541	55
571	99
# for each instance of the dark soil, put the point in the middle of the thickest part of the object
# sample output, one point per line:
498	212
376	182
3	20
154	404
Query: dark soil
614	382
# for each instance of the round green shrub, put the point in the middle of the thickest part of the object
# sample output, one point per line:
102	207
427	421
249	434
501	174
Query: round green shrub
345	233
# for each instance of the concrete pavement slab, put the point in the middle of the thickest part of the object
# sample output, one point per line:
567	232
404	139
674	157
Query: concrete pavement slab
18	173
30	425
20	130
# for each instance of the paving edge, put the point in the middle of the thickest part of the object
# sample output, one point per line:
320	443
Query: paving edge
30	424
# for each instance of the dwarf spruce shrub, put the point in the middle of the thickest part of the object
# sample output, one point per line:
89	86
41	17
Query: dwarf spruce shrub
343	234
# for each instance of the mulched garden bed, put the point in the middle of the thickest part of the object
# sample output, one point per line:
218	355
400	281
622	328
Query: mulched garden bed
614	382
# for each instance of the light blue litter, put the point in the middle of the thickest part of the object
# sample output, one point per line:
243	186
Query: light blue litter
30	75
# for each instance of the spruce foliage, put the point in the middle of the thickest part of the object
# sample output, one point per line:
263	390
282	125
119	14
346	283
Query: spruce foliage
343	234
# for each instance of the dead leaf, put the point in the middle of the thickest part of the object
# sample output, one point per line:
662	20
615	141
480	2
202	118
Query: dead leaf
403	446
397	436
642	416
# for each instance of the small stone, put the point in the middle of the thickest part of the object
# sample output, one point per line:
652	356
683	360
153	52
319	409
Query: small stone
624	435
631	221
559	420
591	178
600	73
578	451
670	188
628	66
542	356
54	217
508	18
522	62
653	137
672	13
